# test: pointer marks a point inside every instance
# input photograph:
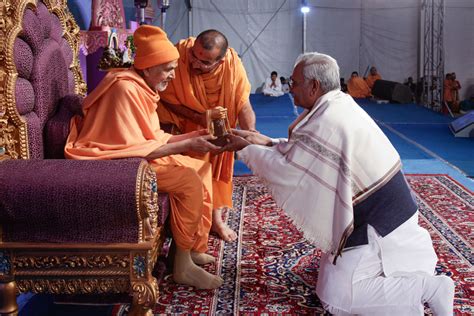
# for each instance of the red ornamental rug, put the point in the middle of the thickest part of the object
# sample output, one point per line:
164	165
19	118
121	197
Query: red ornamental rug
272	269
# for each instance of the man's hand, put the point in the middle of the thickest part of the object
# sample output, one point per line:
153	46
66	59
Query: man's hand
253	137
201	145
234	143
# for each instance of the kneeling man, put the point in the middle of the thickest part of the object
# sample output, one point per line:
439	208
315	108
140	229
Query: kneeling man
339	178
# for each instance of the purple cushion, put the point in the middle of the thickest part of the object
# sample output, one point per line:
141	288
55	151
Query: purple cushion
23	58
57	127
56	29
24	96
32	32
45	19
35	135
165	207
50	79
69	200
66	51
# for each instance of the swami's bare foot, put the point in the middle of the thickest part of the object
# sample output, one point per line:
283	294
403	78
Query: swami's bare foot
197	277
185	271
221	228
224	231
202	258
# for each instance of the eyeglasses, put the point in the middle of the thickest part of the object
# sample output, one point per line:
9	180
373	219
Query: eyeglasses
291	83
204	64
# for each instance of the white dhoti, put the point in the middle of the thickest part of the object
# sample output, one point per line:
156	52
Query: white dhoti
389	276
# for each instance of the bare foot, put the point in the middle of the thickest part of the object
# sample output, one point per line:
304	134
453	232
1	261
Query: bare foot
197	277
221	228
224	231
202	258
185	271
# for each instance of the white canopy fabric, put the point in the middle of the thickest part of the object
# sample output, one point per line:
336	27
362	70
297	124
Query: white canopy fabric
268	34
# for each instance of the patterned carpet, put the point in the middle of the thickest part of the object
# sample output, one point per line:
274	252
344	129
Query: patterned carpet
272	270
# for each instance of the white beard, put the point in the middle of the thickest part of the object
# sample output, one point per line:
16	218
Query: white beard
161	86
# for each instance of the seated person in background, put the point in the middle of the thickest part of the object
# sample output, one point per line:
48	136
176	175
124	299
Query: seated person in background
339	178
372	77
120	121
272	86
343	85
284	85
357	87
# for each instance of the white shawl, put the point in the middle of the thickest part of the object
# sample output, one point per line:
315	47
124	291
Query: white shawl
336	157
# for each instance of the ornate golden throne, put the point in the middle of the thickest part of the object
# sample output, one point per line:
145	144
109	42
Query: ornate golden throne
66	227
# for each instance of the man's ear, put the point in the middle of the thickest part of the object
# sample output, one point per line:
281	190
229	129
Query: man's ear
315	85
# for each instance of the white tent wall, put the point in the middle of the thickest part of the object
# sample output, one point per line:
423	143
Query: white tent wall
358	33
266	34
333	28
389	38
459	43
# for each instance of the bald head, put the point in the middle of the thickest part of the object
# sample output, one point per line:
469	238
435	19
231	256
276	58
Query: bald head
212	39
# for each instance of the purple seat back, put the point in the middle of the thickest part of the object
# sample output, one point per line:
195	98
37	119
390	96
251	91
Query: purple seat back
42	57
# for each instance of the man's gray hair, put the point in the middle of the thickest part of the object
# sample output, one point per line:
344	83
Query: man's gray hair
320	67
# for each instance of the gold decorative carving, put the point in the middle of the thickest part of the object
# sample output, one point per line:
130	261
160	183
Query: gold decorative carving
5	264
145	294
74	286
147	202
72	262
13	130
14	140
7	139
72	36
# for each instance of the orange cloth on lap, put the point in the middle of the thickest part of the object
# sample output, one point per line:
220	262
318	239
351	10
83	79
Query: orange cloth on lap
225	86
120	121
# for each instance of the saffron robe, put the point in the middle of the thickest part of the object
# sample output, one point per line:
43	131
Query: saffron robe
226	86
371	80
358	88
120	121
448	89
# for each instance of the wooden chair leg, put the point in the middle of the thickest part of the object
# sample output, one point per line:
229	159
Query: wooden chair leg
8	305
145	294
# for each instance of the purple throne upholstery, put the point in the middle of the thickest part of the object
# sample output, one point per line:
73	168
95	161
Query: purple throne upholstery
66	227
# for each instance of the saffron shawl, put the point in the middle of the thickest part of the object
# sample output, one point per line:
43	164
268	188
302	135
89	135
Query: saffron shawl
225	86
335	158
120	120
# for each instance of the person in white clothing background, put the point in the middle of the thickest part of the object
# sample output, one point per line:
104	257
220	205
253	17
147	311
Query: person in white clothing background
339	178
272	86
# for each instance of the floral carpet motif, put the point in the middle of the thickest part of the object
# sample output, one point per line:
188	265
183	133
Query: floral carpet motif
271	269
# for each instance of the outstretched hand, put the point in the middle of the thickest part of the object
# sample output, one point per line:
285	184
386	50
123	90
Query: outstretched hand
234	143
253	137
